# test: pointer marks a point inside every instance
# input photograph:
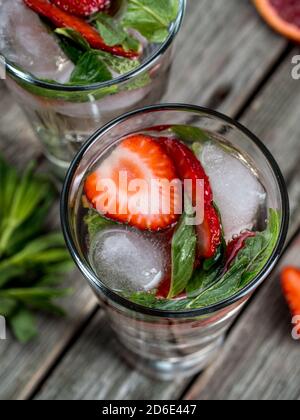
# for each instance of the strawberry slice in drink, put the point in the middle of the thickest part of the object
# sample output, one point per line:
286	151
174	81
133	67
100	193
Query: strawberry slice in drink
140	158
82	7
62	19
235	246
189	168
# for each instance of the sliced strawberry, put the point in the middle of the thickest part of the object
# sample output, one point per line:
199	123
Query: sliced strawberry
235	246
63	19
189	168
290	282
164	288
140	158
82	7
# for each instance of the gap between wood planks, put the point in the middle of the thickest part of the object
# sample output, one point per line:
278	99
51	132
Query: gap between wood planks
216	100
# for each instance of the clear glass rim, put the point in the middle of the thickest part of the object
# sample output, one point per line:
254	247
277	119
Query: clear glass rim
109	294
29	78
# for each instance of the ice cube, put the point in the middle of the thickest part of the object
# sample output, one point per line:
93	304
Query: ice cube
237	191
25	40
126	260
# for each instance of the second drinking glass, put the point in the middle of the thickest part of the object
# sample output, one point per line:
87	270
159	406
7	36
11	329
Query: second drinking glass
64	115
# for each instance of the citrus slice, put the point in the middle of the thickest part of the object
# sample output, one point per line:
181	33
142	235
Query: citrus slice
281	15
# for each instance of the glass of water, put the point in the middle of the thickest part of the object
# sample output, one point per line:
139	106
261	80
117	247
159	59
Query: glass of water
170	329
64	116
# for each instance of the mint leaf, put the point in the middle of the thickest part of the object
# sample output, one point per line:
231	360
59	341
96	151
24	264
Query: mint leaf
28	256
202	280
21	197
190	134
210	287
138	82
73	36
113	33
248	264
152	18
183	256
109	29
119	65
95	223
72	43
267	241
23	325
90	69
7	307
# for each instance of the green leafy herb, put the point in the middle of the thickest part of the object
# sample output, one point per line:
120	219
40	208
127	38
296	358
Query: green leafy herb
119	65
152	18
249	262
90	69
210	287
32	262
190	134
72	43
113	33
95	222
24	325
138	82
74	36
109	29
183	256
19	198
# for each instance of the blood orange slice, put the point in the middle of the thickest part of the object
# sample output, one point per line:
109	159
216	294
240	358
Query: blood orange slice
281	15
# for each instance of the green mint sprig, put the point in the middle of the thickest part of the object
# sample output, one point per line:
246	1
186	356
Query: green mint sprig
32	262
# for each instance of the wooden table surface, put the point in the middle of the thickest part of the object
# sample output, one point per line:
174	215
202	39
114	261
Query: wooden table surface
228	59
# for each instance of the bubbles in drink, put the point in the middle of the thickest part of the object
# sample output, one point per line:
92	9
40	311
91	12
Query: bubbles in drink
159	260
126	260
25	40
237	191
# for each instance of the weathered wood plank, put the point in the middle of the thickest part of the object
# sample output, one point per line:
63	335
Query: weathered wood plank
93	370
268	366
212	66
275	121
222	53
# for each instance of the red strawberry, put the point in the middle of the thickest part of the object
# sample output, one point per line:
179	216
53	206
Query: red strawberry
82	7
63	19
290	282
189	167
235	246
140	157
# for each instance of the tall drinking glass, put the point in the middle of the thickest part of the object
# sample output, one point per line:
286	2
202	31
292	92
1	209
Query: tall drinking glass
63	117
168	344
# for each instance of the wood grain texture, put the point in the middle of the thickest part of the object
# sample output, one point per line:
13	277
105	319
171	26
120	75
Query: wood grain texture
93	370
223	52
274	119
260	360
217	64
